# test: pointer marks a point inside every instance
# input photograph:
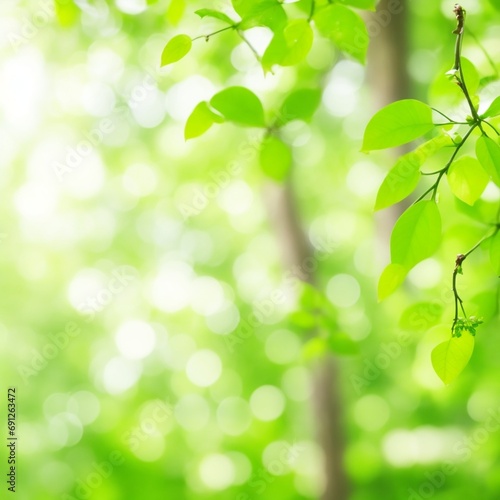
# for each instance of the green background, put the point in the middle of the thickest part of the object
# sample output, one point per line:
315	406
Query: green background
129	281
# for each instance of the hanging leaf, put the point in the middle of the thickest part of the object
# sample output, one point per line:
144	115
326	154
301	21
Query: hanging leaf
399	183
451	357
493	109
176	49
488	154
481	210
239	105
275	158
396	124
253	13
467	179
215	14
290	46
392	277
200	120
444	90
299	105
403	178
471	75
416	235
176	11
345	28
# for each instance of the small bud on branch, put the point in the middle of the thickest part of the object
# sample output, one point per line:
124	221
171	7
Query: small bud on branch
460	15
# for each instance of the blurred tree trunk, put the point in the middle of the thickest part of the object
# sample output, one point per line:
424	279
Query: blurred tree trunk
388	77
389	81
388	53
327	400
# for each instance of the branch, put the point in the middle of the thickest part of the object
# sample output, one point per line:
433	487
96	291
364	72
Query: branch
466	323
457	70
445	169
207	37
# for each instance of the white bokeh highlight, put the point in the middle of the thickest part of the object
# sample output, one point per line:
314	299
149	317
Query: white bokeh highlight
135	339
204	368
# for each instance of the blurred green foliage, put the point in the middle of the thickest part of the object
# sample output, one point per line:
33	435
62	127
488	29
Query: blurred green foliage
154	339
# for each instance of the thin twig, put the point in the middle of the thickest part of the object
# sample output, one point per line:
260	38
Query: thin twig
252	48
207	37
458	270
444	170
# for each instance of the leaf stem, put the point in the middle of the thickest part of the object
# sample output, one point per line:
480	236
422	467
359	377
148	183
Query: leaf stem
445	169
443	115
252	48
458	270
459	31
458	299
450	123
482	240
207	37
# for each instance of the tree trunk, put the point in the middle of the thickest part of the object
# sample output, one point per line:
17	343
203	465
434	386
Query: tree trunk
389	81
388	53
327	401
388	77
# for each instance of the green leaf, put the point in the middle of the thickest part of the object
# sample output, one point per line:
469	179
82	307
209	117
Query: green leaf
396	124
290	46
299	105
341	343
176	49
253	13
239	105
403	178
488	154
446	89
314	348
495	253
304	5
303	320
311	299
467	179
496	4
391	278
420	317
215	14
481	210
345	28
200	120
176	11
471	75
493	109
67	13
400	182
451	357
275	158
416	235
